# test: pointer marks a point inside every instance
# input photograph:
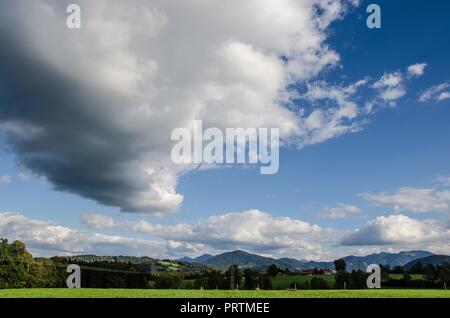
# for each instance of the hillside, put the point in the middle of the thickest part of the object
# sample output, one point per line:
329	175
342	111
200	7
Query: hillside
240	258
197	260
434	260
245	259
144	263
391	259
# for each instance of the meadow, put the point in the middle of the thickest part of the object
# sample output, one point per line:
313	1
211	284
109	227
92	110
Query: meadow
284	282
152	293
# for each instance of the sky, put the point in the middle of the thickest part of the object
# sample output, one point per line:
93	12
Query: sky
86	117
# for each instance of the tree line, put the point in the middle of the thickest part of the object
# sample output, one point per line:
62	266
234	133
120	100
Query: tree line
18	269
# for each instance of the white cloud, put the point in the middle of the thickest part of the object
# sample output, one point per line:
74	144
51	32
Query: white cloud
401	230
340	211
408	199
5	179
443	96
341	116
47	238
335	108
251	230
134	73
391	86
417	70
263	233
433	92
98	221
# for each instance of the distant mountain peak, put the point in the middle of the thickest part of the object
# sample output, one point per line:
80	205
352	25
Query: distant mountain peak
246	259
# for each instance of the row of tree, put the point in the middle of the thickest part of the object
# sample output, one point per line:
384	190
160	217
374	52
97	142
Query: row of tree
18	269
233	278
433	277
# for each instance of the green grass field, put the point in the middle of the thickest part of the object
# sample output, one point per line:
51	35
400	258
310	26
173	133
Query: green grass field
151	293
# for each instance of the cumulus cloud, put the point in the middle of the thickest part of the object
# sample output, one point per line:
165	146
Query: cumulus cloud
342	116
340	211
417	70
338	109
98	221
408	199
263	233
251	230
400	230
435	93
391	86
5	179
91	110
443	96
47	238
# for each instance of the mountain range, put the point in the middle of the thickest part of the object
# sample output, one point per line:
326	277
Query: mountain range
245	259
434	260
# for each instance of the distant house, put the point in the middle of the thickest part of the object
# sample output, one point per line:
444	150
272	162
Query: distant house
312	272
307	273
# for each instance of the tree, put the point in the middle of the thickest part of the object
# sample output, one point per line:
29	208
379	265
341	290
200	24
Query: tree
341	275
385	270
233	276
265	281
318	283
406	277
45	274
168	281
357	280
302	286
417	268
201	283
216	279
273	270
430	272
250	279
340	265
17	267
398	270
444	273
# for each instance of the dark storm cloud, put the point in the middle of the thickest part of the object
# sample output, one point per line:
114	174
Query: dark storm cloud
92	110
67	130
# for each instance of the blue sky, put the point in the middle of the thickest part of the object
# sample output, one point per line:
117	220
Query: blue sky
401	146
